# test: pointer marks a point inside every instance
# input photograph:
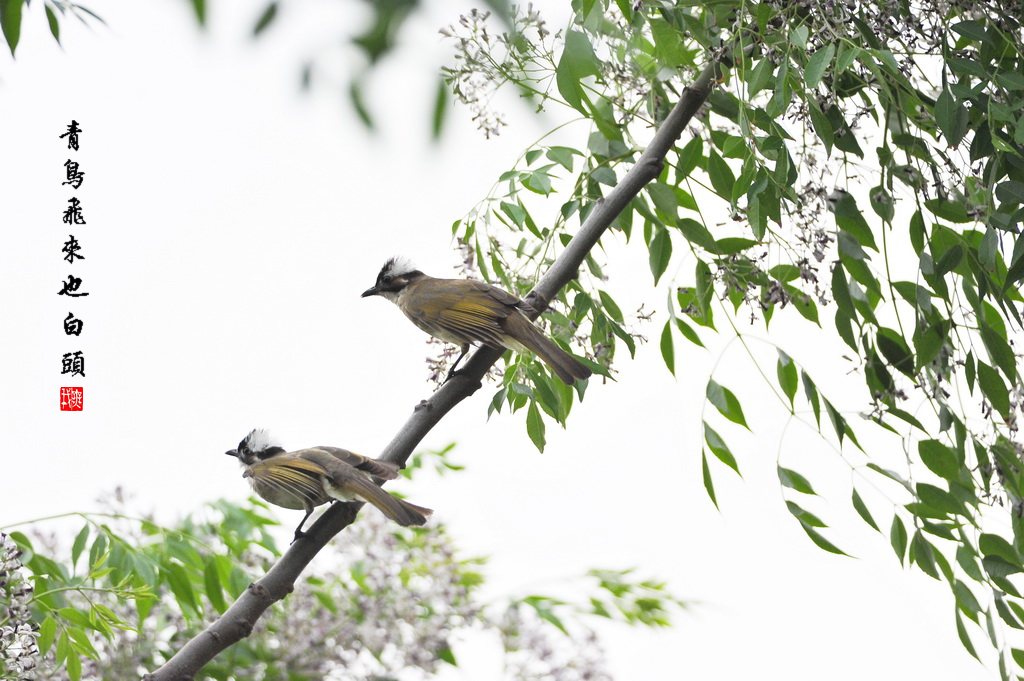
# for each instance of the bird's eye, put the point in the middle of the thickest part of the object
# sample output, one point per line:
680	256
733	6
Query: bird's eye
386	279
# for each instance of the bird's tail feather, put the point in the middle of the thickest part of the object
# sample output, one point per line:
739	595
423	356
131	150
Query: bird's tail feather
565	366
398	510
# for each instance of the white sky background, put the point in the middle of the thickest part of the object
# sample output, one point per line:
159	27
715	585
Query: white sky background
232	224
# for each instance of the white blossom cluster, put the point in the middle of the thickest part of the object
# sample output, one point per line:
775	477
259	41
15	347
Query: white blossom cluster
486	60
19	654
535	651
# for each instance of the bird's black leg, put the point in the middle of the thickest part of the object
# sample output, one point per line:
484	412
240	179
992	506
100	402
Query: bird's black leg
451	372
298	530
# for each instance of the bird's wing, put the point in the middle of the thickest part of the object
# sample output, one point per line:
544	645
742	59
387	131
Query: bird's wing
501	296
380	469
290	475
468	310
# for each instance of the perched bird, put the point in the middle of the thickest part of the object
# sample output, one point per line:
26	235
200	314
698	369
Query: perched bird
464	311
307	478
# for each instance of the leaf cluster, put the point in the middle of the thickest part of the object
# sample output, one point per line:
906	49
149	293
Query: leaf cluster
914	111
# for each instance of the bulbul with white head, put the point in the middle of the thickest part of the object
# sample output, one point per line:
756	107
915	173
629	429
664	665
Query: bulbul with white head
307	478
464	311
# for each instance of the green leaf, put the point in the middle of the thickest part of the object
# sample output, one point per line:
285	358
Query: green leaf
953	211
535	426
621	334
51	19
785	369
82	644
846	57
822	126
446	655
725	401
610	307
994	389
923	554
721	450
1000	351
1007	614
10	22
882	203
689	158
720	174
177	578
667	349
664	198
543	607
47	632
74	665
214	591
949	260
355	96
705	290
996	567
811	393
939	459
660	252
709	485
578	61
1010	191
841	291
939	500
850	219
965	559
563	156
895	350
538	182
1011	80
515	212
698	234
961	631
945	114
79	545
821	542
63	646
996	545
838	422
808	521
760	76
898	537
817	64
199	6
970	29
440	109
266	18
689	333
793	480
862	510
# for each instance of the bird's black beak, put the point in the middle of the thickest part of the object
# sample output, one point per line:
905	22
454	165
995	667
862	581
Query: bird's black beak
232	452
372	291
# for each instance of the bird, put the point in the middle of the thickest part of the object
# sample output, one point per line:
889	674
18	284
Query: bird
307	478
466	311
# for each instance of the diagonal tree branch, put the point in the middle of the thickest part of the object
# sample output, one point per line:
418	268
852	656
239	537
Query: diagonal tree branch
239	619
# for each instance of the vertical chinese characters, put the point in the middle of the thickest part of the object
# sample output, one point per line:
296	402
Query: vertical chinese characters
72	363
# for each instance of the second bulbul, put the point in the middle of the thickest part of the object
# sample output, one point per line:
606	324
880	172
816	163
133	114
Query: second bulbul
464	311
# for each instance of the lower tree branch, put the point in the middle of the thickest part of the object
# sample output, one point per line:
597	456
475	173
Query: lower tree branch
239	619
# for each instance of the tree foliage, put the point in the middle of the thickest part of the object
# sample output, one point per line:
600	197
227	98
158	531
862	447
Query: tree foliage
122	597
132	593
870	157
